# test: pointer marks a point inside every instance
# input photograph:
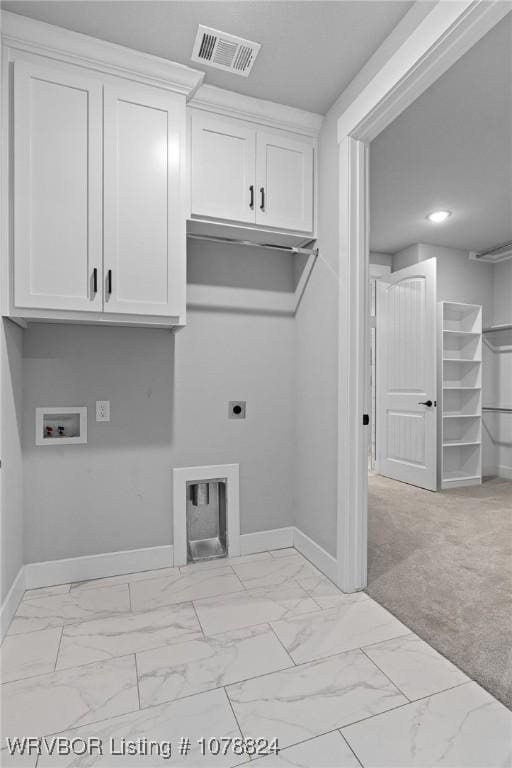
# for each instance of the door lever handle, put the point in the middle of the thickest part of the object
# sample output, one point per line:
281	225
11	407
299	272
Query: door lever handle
428	403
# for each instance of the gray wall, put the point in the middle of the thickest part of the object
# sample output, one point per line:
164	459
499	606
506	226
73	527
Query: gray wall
114	493
169	397
11	531
317	325
502	292
458	277
500	425
382	259
317	367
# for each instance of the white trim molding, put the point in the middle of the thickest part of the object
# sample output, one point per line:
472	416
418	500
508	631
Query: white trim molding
353	376
290	536
438	41
393	82
69	569
263	541
180	477
209	98
11	601
315	554
25	34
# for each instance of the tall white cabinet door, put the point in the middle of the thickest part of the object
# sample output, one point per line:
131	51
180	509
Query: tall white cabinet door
57	188
223	163
284	180
144	200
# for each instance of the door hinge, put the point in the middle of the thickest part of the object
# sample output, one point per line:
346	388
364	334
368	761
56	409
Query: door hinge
366	419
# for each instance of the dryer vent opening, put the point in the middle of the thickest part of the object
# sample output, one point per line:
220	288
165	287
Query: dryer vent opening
206	520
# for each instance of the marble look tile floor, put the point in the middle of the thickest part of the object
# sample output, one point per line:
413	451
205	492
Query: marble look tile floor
258	646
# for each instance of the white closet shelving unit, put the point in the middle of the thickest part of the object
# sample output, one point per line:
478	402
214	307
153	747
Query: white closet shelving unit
461	394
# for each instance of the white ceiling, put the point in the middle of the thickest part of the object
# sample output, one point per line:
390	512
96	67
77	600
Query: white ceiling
451	149
310	50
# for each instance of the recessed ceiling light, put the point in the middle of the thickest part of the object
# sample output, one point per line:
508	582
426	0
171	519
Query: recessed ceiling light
438	216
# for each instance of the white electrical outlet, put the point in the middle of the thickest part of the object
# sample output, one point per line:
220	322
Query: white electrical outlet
102	410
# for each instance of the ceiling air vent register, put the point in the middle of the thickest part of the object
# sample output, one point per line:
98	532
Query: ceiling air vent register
222	51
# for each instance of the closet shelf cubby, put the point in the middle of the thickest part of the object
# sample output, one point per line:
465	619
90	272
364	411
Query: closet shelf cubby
461	394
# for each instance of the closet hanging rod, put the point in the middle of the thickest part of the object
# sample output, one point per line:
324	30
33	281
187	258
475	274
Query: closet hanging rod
498	410
501	327
494	249
235	241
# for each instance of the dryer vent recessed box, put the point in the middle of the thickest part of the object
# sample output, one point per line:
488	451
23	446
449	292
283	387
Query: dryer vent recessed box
223	51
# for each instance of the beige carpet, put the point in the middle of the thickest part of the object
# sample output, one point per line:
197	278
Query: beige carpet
442	563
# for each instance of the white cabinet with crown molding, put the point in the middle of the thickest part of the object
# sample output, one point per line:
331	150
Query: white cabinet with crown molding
245	172
284	181
57	188
96	180
223	163
144	203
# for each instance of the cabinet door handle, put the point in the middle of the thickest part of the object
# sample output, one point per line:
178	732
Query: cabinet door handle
251	190
262	193
95	281
109	282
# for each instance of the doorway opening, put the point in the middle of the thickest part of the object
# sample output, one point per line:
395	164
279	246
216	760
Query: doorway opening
440	443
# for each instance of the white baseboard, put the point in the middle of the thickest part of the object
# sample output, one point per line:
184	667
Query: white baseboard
315	554
261	541
11	601
51	572
280	538
500	470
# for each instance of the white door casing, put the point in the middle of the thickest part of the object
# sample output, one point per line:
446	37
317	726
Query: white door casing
436	37
284	182
57	188
407	375
223	168
144	200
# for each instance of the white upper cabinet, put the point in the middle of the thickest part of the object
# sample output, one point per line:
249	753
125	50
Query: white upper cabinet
284	181
251	175
99	194
95	182
144	200
223	168
57	189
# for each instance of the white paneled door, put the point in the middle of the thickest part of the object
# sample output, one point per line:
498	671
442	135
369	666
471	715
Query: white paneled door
284	182
144	219
223	161
57	190
406	375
